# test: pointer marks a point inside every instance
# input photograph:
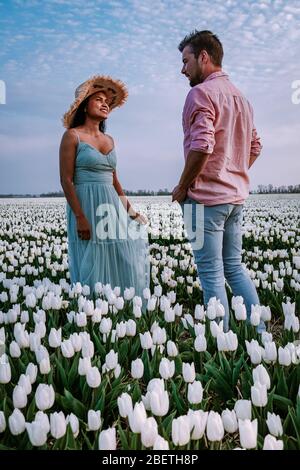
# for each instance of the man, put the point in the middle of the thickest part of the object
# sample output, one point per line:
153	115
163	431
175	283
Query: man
220	145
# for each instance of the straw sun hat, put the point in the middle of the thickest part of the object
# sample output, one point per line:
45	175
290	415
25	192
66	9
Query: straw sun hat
114	89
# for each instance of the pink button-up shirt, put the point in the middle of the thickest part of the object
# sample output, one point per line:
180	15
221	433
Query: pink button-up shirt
218	119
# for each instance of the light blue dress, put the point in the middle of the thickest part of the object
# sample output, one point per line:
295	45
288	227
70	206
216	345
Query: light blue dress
117	252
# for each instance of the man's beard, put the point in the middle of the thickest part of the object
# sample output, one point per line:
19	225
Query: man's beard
197	79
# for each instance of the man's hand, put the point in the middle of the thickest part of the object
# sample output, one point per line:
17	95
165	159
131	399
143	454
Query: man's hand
179	193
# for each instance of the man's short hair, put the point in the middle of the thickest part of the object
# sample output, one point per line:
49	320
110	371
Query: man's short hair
204	40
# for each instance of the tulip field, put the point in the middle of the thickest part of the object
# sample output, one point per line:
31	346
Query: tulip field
118	371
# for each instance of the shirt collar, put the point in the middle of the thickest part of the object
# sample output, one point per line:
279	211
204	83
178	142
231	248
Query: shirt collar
213	75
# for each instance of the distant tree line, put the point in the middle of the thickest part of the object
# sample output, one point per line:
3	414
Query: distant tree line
261	189
270	189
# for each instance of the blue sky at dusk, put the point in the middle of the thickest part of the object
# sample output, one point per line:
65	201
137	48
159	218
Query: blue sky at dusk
49	47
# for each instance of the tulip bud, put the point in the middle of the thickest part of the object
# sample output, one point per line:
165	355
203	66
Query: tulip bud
274	424
188	372
243	409
94	420
260	374
181	431
16	422
32	371
166	368
149	432
44	397
146	340
125	405
36	433
200	343
74	423
93	377
5	371
160	444
107	439
54	338
271	443
197	421
172	349
248	433
19	397
195	392
229	421
214	428
58	425
111	360
84	365
137	417
137	369
2	422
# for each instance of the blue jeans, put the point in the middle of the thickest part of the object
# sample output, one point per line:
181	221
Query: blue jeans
220	257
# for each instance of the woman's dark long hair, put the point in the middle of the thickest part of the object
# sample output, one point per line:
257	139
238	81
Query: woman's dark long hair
79	117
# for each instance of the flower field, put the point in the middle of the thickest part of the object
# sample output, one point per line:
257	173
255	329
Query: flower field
104	373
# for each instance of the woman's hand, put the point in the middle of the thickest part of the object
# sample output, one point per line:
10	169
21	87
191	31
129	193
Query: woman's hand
141	219
83	228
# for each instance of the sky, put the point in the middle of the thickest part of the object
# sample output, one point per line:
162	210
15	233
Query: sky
49	47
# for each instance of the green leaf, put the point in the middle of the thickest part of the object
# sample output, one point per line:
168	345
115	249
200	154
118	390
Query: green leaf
123	438
180	405
75	405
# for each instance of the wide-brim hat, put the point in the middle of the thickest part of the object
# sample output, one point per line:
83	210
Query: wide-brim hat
115	90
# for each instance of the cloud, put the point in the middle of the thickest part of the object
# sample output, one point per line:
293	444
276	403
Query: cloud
51	47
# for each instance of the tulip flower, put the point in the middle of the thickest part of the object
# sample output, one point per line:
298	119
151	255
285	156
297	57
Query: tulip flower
166	368
261	375
130	328
5	371
67	349
19	397
125	405
146	340
214	427
248	433
84	365
195	392
198	421
54	338
274	424
200	343
44	397
137	369
160	444
2	422
36	433
229	421
43	419
159	402
74	423
31	372
16	422
188	372
149	432
172	349
107	439
137	417
242	409
181	431
111	360
93	377
271	443
58	425
94	420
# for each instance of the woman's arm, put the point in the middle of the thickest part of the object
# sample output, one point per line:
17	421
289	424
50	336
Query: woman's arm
117	185
67	155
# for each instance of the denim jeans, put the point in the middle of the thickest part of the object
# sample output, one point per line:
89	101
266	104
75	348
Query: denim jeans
220	257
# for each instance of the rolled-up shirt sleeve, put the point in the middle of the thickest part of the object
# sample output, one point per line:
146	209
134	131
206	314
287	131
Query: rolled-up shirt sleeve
201	121
255	144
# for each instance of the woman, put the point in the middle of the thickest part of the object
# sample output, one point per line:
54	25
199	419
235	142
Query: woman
107	239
